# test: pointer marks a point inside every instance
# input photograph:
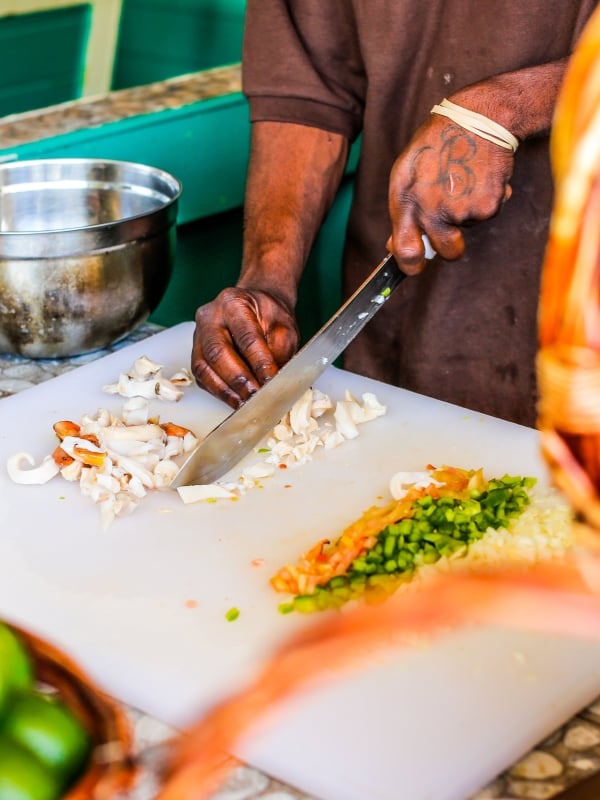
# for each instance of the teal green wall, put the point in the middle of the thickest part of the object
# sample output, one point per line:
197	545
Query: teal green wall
160	39
42	54
206	146
209	252
42	57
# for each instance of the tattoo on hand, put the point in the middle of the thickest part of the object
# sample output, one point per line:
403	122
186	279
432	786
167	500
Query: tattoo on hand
454	174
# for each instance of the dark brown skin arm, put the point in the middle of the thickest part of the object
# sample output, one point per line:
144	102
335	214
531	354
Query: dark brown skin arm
448	176
249	331
445	178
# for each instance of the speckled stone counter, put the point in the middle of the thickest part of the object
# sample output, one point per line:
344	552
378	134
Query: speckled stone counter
18	129
566	757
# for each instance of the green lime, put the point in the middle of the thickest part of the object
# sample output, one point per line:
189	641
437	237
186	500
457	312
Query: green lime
22	776
16	670
48	728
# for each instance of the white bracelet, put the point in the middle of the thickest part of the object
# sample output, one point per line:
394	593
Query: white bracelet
477	124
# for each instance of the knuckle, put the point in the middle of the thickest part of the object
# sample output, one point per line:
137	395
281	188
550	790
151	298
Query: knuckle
246	340
202	374
229	296
409	256
489	205
214	351
202	313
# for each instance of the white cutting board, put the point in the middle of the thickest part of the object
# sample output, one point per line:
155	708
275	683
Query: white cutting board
438	722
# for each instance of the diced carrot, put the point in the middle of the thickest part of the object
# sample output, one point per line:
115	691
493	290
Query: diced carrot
171	429
66	428
89	457
61	458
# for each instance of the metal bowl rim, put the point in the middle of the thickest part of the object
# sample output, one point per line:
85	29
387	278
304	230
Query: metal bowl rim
168	177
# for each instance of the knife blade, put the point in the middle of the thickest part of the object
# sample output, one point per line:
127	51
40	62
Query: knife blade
243	429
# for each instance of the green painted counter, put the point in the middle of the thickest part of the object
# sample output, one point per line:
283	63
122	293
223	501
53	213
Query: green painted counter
162	38
196	127
42	56
204	143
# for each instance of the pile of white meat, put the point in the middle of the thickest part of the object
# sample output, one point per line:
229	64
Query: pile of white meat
117	460
313	422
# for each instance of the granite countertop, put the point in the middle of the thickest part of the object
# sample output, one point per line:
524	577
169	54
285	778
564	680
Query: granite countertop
30	126
566	757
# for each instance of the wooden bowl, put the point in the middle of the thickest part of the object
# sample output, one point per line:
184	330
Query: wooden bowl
112	767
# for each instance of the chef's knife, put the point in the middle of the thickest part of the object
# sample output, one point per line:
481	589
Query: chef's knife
243	429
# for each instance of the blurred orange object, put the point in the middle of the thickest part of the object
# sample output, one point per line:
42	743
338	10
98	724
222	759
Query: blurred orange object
569	318
560	597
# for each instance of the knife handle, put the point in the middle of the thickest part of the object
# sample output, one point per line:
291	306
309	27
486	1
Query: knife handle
429	251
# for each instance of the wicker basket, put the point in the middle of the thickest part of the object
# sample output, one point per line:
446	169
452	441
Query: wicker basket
112	768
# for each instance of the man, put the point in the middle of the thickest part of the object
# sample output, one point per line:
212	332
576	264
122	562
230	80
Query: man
317	74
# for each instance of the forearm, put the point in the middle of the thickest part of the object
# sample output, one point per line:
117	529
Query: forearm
293	176
521	101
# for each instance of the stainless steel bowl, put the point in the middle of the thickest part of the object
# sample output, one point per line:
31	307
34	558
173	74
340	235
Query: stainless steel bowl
86	252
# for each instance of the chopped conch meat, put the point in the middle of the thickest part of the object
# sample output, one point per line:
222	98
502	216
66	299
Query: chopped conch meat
313	422
402	482
192	494
145	380
31	474
115	463
117	460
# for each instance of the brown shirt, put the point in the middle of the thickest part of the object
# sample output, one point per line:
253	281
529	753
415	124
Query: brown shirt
465	331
